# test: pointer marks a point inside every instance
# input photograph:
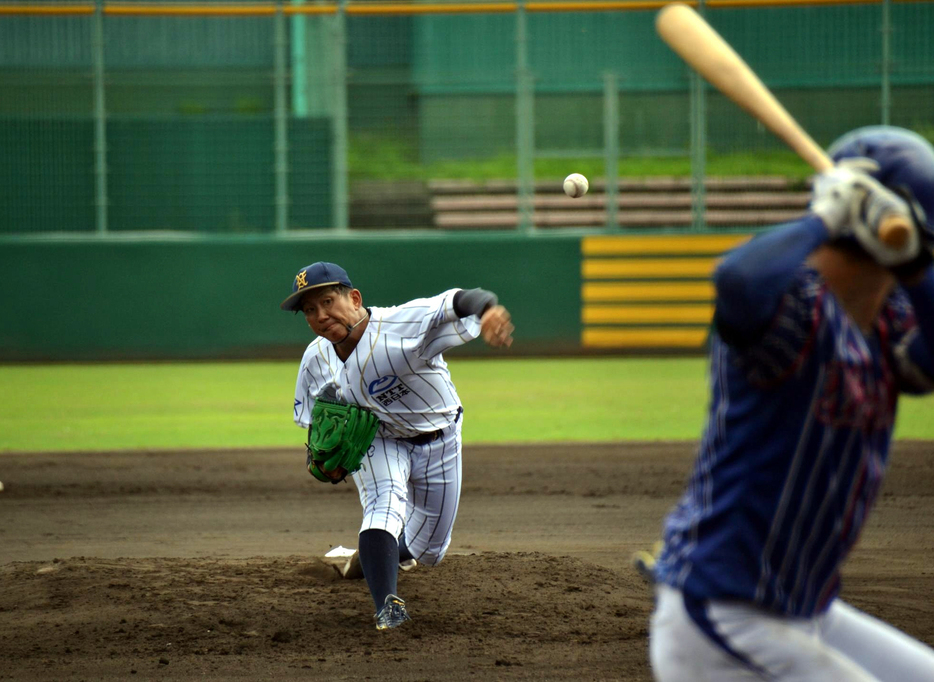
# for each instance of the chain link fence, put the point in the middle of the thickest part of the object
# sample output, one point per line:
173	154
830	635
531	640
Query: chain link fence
279	118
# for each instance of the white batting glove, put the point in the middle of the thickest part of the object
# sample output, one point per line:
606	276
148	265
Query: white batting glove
839	193
881	203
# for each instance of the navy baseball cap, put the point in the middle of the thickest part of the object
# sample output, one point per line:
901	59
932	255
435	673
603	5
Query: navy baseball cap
311	277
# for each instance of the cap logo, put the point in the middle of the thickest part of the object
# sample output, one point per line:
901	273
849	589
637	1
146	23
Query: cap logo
301	279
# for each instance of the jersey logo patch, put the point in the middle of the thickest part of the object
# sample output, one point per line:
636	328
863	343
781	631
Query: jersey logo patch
387	390
382	384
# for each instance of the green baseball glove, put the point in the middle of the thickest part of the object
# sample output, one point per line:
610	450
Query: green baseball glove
338	439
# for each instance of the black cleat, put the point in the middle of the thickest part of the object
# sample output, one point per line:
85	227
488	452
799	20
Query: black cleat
392	615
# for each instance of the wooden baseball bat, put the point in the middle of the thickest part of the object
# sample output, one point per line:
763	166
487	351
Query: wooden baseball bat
708	53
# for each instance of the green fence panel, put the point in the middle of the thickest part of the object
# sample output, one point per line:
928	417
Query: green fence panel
824	63
46	175
913	42
310	154
458	54
178	174
188	42
36	42
191	174
568	51
46	134
379	42
191	103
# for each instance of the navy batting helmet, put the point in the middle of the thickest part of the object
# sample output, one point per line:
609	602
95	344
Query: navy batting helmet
906	166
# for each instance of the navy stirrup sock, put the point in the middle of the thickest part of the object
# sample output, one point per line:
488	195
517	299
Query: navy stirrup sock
404	553
379	558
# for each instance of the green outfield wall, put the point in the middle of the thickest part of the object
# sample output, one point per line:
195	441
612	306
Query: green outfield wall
213	297
218	297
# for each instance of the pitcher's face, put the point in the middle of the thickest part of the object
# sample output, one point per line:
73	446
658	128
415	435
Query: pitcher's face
329	312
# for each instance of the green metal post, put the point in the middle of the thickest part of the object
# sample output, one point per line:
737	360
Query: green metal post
281	122
339	179
611	148
698	147
525	124
100	119
299	65
698	153
886	103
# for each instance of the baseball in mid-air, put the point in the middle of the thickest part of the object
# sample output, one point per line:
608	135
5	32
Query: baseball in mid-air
576	185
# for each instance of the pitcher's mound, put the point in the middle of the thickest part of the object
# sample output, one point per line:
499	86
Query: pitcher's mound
541	616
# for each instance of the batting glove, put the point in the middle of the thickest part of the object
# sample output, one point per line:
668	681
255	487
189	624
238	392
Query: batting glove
852	203
839	193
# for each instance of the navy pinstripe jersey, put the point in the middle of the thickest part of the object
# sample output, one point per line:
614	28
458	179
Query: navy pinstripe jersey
793	453
397	369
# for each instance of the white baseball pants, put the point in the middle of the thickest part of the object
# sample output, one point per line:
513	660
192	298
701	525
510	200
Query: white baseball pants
413	487
732	641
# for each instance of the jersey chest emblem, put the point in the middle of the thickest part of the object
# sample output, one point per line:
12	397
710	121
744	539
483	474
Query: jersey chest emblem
388	389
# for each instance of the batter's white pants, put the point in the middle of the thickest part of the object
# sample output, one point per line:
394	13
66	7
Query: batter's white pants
730	641
413	487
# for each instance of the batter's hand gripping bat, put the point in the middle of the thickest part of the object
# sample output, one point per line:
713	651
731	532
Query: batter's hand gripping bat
708	53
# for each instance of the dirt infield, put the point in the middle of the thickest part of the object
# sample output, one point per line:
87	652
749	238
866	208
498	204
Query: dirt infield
206	565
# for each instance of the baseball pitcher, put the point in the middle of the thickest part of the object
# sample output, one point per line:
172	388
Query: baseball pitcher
379	404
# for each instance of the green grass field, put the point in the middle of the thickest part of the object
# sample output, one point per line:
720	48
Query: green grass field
374	158
198	405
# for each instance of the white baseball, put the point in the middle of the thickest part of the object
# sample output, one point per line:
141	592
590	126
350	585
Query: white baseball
576	185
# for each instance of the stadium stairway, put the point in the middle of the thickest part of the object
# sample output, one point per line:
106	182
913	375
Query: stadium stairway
649	293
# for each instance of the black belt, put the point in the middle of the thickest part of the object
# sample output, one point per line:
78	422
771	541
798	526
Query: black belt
431	437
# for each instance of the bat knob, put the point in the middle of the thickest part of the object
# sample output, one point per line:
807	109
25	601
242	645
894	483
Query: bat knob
894	231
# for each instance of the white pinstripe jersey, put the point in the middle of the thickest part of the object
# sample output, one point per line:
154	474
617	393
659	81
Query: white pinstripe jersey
396	370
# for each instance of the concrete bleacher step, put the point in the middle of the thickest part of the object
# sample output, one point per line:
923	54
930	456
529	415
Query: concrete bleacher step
650	200
657	184
641	202
499	219
647	202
